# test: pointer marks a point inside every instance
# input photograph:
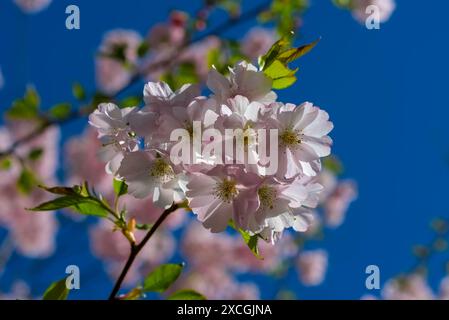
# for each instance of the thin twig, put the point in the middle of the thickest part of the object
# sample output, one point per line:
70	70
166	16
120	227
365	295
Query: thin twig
135	249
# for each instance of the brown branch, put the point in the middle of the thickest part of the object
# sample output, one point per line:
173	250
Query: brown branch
135	249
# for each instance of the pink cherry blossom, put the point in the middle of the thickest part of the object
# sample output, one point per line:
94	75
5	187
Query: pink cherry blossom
244	80
257	42
111	73
385	9
149	173
115	133
20	290
312	266
2	79
217	284
443	293
337	203
303	139
33	235
32	6
408	287
197	54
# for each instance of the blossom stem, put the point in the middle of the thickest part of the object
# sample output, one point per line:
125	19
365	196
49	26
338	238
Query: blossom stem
136	248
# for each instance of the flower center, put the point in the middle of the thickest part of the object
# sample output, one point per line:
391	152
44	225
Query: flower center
162	171
289	138
226	190
267	196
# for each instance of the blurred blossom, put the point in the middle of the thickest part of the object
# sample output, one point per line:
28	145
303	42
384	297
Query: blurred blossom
368	297
217	284
32	234
114	248
386	8
171	33
19	291
338	203
83	164
164	41
2	80
225	251
335	197
117	59
444	289
198	54
410	287
32	6
312	266
257	42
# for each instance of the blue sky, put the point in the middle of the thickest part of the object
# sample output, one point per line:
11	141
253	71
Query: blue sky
386	91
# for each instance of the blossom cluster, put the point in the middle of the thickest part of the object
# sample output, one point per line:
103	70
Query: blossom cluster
220	186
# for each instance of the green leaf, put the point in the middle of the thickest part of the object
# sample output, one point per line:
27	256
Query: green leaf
78	91
267	59
161	278
143	49
25	108
295	53
5	164
144	226
56	291
281	75
131	101
32	98
186	295
26	182
35	154
60	111
333	164
60	190
91	208
250	240
120	187
83	205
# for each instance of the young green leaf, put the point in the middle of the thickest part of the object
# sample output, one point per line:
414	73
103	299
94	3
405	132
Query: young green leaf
295	53
250	240
5	164
60	111
281	75
60	190
35	154
78	91
25	108
131	101
267	59
186	295
56	291
161	278
120	187
26	182
32	98
83	205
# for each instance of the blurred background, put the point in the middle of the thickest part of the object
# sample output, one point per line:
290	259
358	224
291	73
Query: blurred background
385	91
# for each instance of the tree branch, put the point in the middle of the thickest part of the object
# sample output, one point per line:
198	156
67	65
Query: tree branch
228	24
135	249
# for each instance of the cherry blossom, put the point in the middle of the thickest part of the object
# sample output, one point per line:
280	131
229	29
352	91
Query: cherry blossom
117	59
385	9
32	6
312	266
